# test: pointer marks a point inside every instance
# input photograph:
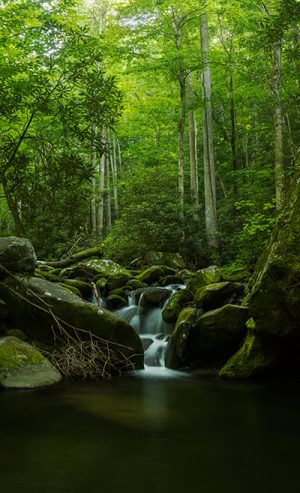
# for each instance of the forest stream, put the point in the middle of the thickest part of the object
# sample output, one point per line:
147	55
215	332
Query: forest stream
151	432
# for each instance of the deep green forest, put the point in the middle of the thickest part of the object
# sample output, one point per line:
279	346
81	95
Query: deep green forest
148	125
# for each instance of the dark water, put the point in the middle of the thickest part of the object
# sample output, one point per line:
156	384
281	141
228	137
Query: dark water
171	434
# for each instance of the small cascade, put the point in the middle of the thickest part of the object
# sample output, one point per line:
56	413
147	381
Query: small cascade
144	313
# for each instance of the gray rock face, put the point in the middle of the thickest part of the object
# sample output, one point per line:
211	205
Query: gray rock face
23	366
17	254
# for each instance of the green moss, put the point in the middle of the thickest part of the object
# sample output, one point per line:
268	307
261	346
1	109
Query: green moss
177	355
15	353
175	304
254	357
155	273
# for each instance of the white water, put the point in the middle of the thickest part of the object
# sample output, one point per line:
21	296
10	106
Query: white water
149	324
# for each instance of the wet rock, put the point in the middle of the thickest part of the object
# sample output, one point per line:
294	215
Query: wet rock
175	304
151	296
114	301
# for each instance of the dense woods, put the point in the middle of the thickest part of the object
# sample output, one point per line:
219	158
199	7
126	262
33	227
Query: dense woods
148	125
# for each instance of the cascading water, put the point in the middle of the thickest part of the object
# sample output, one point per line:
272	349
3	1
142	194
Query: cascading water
144	313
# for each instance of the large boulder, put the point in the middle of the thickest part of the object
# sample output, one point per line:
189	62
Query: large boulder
17	255
274	300
215	334
218	294
46	312
23	366
177	355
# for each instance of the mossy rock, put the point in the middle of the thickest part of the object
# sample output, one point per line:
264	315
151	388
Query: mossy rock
170	280
150	296
115	301
177	355
100	283
22	366
136	284
255	357
48	275
218	294
175	304
16	255
79	272
204	277
117	280
216	332
84	288
71	311
70	289
155	273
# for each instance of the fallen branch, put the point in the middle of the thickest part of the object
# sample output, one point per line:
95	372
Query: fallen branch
76	257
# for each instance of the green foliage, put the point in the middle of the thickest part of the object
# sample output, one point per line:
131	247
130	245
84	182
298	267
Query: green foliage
150	217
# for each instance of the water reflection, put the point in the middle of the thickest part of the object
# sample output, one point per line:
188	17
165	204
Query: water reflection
151	433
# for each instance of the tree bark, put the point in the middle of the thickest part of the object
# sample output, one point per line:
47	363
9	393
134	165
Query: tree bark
278	128
208	145
13	207
182	114
193	151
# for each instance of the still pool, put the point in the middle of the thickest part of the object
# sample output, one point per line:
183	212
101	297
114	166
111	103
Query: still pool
153	432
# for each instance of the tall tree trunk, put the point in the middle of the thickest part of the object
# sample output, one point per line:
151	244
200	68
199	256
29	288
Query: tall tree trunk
233	133
208	145
193	151
93	158
114	172
13	207
278	128
101	184
182	114
108	198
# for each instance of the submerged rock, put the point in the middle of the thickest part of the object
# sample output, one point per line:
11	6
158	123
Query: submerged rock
68	311
17	255
22	366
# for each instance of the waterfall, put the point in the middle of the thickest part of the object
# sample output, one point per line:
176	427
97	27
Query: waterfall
144	313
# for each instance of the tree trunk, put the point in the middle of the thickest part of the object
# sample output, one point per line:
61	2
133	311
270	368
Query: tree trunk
114	172
182	114
208	145
13	207
233	133
93	158
108	199
193	151
101	183
278	128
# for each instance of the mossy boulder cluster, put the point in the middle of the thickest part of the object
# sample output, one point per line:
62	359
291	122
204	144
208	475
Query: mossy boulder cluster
209	320
46	309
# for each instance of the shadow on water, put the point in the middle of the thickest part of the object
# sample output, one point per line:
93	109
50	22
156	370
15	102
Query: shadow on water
150	432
